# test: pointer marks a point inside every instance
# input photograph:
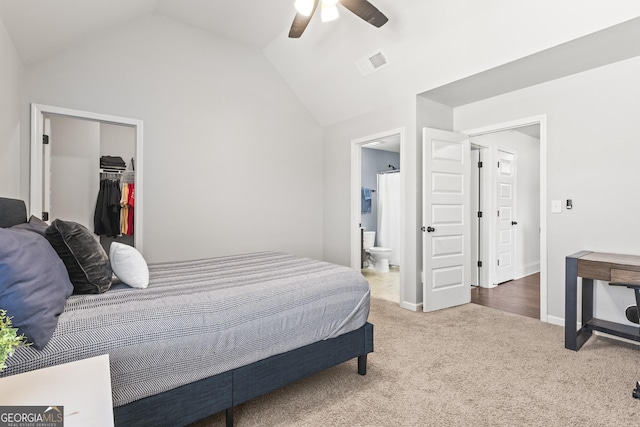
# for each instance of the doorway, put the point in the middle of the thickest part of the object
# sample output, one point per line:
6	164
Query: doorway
40	182
377	206
521	228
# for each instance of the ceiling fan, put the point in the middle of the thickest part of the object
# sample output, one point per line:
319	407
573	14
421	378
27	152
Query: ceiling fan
306	8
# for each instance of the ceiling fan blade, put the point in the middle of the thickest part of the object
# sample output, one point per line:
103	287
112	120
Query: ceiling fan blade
366	11
300	22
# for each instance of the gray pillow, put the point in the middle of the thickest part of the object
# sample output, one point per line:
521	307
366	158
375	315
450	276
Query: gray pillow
82	254
34	284
35	224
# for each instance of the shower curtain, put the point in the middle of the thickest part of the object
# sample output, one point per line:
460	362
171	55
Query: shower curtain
388	235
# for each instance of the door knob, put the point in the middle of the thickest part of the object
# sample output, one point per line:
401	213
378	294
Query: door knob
430	229
514	223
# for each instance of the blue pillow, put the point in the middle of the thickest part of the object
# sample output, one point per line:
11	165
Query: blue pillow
35	224
34	284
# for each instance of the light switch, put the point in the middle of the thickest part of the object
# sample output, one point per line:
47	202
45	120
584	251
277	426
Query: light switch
556	206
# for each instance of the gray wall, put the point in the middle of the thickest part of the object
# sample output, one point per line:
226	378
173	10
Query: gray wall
374	161
11	151
592	157
233	161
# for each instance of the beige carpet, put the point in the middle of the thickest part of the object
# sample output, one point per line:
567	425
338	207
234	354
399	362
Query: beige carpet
469	365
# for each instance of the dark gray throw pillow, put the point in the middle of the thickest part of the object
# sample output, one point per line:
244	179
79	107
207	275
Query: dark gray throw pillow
34	284
35	224
85	259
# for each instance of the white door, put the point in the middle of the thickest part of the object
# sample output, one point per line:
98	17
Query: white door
446	219
506	223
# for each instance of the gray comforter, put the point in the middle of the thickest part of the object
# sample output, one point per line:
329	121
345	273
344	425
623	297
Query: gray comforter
201	318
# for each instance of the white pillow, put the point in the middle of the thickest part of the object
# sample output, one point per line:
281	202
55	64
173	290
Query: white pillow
129	265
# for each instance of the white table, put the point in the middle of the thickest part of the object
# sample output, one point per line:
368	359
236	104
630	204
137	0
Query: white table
82	387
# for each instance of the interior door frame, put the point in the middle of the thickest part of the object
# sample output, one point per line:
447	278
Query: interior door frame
356	184
485	227
540	120
36	175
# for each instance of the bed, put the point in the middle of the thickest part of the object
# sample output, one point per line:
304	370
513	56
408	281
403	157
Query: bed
208	335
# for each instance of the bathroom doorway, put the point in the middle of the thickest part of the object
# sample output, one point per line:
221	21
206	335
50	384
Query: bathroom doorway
379	215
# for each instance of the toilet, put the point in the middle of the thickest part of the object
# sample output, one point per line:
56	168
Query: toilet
379	256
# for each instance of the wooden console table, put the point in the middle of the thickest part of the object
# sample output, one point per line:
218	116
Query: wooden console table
613	268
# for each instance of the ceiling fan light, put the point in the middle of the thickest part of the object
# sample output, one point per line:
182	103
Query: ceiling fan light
304	7
329	13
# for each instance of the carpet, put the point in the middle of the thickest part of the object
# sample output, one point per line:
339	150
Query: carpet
467	365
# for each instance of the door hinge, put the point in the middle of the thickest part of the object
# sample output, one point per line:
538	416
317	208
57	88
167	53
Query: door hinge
498	213
479	164
45	139
479	263
45	216
479	214
498	164
498	262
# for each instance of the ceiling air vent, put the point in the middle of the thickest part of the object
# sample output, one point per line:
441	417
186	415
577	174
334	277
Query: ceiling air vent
372	62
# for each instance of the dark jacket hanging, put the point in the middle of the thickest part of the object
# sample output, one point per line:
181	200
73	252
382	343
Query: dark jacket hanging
106	219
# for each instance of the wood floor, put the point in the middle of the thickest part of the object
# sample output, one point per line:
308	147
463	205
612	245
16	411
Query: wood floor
520	296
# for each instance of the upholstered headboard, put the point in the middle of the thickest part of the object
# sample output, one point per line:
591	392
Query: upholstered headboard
12	212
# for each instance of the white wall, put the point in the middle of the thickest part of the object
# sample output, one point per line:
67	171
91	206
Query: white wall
118	140
593	155
337	182
233	161
411	114
75	176
10	101
527	232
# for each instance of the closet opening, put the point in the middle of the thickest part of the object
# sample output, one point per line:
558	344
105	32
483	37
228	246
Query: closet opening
87	168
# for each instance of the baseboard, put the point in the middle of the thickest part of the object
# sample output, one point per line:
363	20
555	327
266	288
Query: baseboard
614	337
555	320
528	270
559	321
411	307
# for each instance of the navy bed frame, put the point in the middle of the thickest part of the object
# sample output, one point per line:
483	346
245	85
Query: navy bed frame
195	401
192	402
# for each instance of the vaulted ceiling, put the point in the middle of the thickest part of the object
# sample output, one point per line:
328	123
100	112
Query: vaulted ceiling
428	43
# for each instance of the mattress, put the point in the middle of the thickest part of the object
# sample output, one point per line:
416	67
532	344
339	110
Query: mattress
201	318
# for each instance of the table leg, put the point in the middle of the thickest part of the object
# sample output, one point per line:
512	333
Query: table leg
587	302
571	303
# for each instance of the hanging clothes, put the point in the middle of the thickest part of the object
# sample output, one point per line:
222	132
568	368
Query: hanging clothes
106	218
124	213
131	203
